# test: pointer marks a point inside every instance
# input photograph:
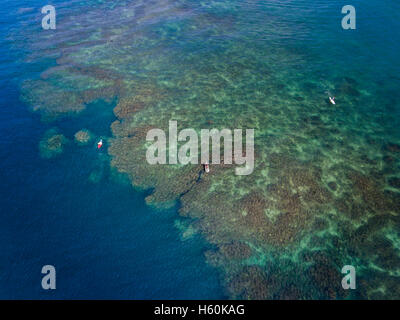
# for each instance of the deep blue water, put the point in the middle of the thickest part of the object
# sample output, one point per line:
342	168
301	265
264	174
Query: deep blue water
103	240
101	237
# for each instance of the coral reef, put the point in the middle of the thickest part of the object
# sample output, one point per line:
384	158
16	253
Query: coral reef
83	136
324	190
52	144
64	91
250	283
394	182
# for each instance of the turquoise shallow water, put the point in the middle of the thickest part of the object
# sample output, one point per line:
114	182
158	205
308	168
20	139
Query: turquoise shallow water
325	189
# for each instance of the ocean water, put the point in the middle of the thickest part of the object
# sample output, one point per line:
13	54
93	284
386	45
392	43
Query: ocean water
325	191
103	240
